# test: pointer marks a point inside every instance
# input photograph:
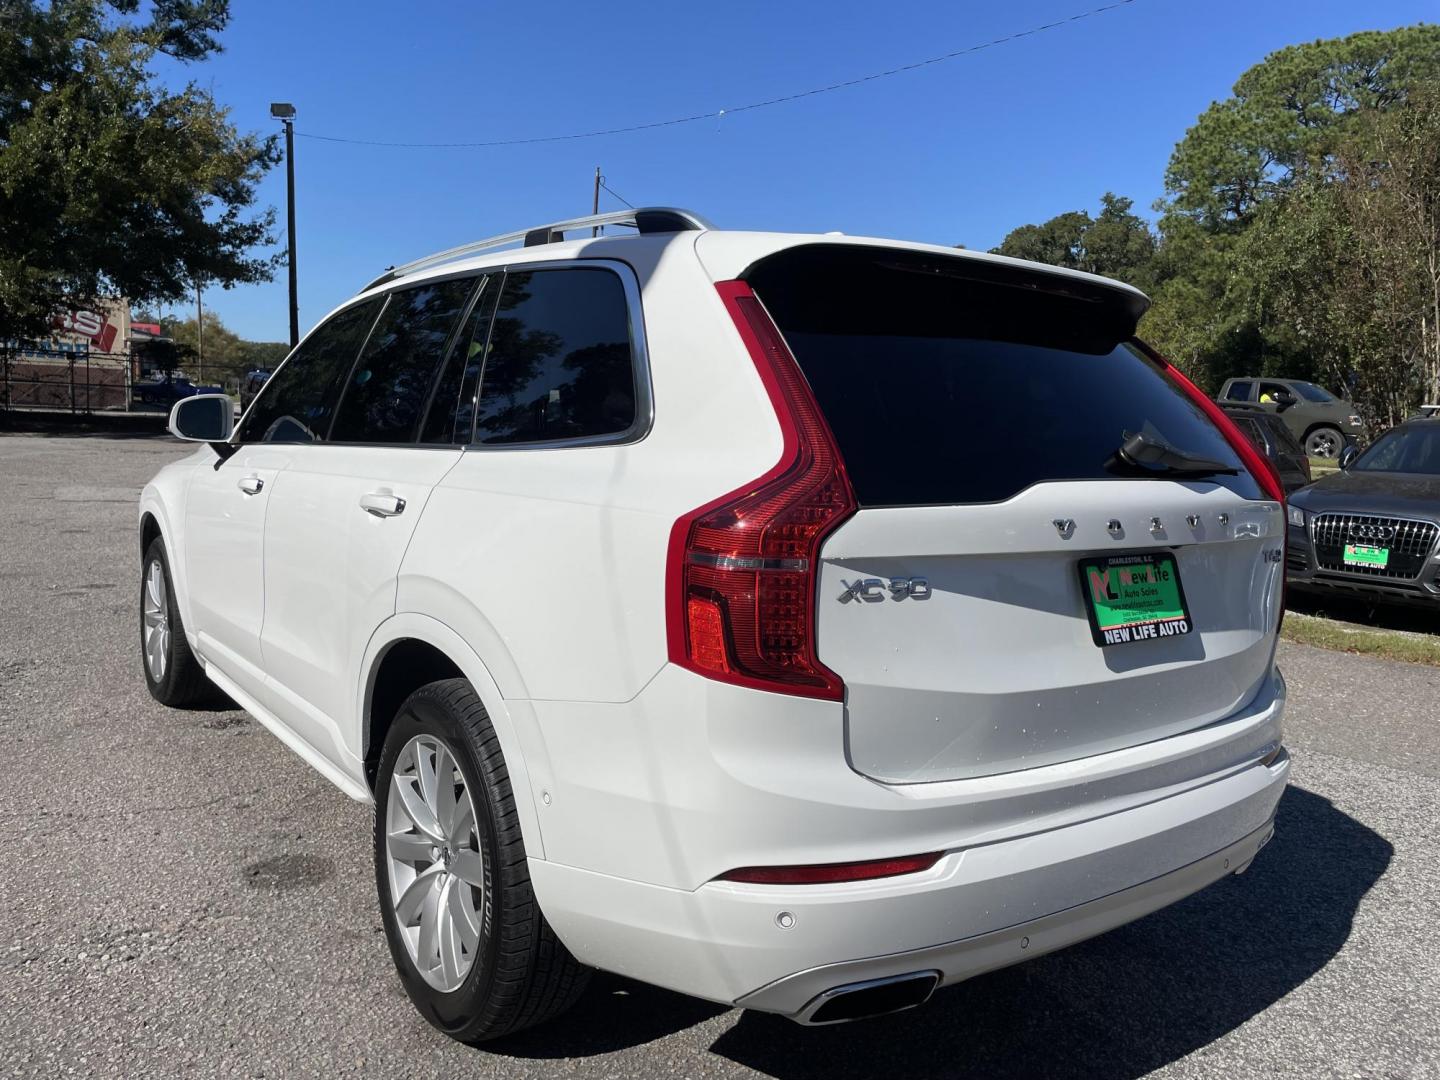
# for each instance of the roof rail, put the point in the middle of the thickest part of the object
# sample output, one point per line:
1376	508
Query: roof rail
646	220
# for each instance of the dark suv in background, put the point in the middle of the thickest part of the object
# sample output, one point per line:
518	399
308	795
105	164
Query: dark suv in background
1273	439
250	385
1320	421
1372	530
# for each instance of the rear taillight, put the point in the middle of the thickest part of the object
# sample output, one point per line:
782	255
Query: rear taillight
1257	463
742	570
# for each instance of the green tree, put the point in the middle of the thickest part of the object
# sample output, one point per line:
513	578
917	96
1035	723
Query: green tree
109	183
1289	118
220	346
1118	243
1345	265
265	355
1287	115
226	354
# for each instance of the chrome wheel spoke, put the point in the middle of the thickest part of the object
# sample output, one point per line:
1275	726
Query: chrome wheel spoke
452	960
435	868
413	803
155	621
469	867
467	919
413	900
462	821
428	947
412	847
445	799
425	774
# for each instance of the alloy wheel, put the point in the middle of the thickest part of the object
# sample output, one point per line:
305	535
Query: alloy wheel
1322	444
155	619
436	869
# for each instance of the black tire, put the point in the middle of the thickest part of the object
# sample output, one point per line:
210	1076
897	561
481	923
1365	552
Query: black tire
521	974
183	682
1324	442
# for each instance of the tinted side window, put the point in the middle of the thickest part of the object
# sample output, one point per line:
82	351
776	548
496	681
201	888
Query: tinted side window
560	364
1239	391
298	402
1280	438
390	385
452	407
1252	432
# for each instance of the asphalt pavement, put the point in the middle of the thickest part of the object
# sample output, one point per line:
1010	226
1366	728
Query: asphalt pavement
181	895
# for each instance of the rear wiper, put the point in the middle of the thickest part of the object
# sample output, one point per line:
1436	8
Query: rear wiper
1153	454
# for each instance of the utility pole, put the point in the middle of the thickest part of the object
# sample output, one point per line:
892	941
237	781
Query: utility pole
595	202
199	332
285	113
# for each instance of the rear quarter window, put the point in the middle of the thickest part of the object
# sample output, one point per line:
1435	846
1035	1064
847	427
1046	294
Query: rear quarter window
560	364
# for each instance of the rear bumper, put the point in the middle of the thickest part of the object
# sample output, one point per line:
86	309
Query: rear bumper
956	961
980	907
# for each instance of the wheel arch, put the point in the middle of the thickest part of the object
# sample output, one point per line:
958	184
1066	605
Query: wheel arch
410	650
155	522
149	531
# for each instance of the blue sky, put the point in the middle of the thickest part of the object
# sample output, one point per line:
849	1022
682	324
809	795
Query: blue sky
959	152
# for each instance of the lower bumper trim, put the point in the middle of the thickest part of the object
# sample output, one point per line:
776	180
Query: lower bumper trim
798	996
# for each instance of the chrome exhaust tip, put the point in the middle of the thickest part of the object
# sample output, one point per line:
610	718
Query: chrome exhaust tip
873	997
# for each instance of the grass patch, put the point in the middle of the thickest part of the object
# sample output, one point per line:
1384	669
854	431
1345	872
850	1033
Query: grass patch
1343	637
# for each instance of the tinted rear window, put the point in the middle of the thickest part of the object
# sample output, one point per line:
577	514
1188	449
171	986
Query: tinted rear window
943	387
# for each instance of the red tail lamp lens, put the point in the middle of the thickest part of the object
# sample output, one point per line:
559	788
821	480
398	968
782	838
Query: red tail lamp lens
742	570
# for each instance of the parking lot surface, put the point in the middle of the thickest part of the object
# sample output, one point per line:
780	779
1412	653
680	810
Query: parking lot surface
181	895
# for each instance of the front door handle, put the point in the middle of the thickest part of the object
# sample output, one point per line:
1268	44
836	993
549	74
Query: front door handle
251	485
382	504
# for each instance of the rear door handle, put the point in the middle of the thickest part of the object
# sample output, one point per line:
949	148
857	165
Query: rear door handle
251	485
382	504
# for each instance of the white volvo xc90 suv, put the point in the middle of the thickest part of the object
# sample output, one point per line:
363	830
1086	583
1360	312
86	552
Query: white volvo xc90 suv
799	622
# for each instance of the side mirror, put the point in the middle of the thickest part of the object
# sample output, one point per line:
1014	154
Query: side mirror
1348	455
1284	398
208	418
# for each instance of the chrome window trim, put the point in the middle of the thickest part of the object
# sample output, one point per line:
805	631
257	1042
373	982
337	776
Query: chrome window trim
639	367
640	360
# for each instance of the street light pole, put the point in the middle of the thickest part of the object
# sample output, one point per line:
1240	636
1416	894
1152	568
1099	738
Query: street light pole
199	332
285	113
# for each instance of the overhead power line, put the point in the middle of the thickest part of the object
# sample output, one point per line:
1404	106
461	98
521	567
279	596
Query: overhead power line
617	195
721	113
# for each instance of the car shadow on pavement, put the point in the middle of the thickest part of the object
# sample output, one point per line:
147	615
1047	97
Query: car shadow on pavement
1118	1006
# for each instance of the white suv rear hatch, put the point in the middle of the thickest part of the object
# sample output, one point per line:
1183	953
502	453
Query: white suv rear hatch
1012	593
